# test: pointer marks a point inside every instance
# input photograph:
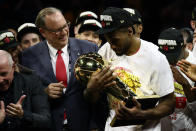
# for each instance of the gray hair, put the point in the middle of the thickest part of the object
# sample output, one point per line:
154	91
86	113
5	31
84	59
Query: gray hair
40	19
7	55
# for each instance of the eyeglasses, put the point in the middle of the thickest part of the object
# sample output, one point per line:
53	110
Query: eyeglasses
58	31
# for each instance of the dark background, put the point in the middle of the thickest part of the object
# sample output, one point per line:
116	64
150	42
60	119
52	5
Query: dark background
156	14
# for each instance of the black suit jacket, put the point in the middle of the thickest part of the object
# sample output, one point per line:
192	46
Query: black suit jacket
79	112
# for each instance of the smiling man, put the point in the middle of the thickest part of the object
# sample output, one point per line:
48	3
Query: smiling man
20	96
53	60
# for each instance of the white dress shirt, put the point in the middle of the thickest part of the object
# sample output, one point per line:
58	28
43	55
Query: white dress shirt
65	56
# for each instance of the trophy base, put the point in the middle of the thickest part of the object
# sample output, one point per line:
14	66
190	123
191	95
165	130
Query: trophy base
146	103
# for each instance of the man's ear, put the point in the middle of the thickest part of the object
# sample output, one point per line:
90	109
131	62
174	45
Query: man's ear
14	66
192	23
140	28
42	31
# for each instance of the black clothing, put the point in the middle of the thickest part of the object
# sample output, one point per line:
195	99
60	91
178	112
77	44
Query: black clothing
36	107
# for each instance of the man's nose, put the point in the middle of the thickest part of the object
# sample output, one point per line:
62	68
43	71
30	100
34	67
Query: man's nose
32	43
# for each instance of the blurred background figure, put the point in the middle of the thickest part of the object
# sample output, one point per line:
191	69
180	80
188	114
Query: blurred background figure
171	44
182	52
187	34
9	44
137	21
194	37
194	42
190	70
193	25
193	19
87	31
81	17
28	35
13	31
176	49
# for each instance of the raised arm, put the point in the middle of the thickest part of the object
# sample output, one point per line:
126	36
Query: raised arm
188	68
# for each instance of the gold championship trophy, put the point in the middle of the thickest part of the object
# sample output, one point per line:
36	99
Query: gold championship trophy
88	63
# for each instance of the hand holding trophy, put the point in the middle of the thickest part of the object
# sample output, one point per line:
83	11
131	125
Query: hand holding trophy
88	63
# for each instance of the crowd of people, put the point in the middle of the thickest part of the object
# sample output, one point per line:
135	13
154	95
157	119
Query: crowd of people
39	89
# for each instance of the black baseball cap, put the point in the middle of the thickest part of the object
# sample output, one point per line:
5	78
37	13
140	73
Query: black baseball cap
27	28
7	40
85	16
90	24
136	16
170	43
114	18
193	14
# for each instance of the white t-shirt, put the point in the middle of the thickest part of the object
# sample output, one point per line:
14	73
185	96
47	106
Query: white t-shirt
151	45
191	58
190	112
176	120
109	54
152	71
194	50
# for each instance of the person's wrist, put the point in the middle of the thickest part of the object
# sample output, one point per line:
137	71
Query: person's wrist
142	114
2	119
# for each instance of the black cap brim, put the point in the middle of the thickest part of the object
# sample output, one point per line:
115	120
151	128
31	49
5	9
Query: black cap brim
172	57
9	46
27	30
88	27
105	31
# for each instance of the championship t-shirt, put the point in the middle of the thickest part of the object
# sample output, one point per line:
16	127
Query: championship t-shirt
148	72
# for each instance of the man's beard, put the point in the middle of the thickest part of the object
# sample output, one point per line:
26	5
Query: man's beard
123	51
